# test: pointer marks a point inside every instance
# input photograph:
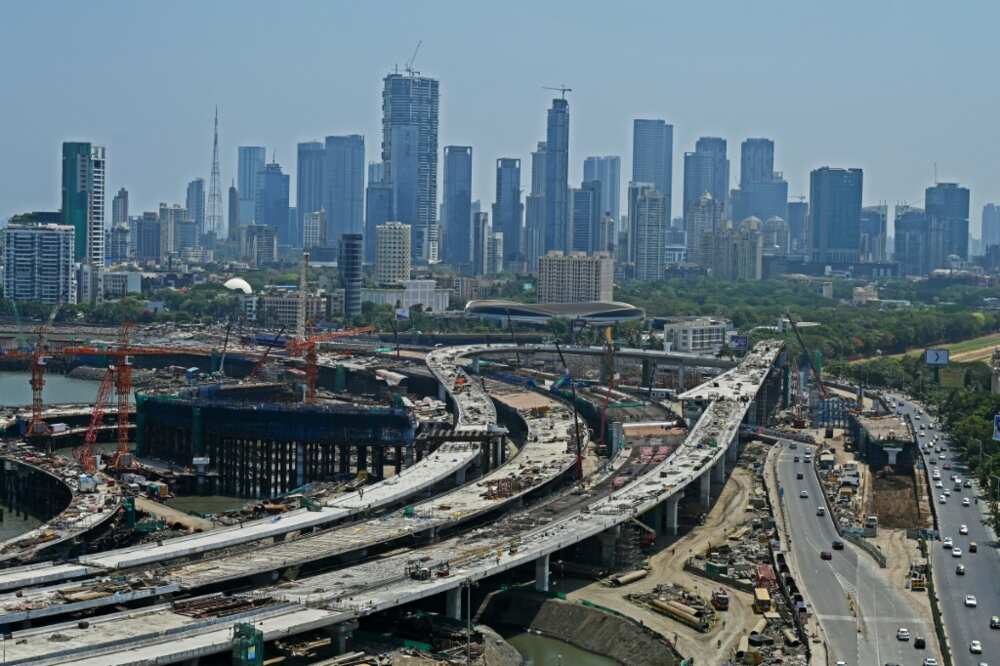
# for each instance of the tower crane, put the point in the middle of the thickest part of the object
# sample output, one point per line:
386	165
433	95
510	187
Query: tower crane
307	349
408	68
561	89
85	452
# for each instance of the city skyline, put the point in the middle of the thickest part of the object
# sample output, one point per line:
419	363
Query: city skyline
879	140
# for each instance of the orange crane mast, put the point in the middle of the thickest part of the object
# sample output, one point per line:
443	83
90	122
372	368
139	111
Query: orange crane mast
308	345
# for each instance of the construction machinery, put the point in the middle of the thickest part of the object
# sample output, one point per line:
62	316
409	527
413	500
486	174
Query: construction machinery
576	417
307	349
85	453
263	357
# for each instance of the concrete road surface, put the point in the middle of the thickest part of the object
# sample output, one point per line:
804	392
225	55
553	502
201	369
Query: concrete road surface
982	569
859	609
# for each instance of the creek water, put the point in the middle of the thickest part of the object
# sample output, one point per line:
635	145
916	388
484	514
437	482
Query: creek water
547	651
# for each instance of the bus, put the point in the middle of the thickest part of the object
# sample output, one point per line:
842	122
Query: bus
761	600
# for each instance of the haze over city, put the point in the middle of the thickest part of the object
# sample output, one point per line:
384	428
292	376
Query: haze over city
893	88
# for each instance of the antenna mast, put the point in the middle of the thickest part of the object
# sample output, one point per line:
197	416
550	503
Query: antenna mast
213	217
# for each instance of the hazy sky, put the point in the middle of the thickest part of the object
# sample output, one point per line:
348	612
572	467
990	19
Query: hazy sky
892	87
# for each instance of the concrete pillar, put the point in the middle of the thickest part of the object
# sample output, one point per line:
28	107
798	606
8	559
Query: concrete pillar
442	393
460	477
300	465
670	521
340	633
378	462
719	471
344	453
647	371
733	450
497	452
705	489
453	603
362	457
681	377
609	543
542	573
408	455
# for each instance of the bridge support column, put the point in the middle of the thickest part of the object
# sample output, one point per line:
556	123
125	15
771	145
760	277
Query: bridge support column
453	603
460	477
654	518
733	451
647	371
341	633
378	462
442	393
681	377
705	489
542	573
362	458
497	452
344	454
408	455
670	519
609	544
719	471
300	465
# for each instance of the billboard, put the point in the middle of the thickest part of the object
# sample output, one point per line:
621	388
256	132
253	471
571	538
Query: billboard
936	357
740	342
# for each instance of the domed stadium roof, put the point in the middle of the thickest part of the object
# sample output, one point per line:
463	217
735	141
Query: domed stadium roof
238	284
593	312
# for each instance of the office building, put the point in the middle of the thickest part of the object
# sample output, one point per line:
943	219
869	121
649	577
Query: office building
350	251
608	171
195	205
763	192
456	216
392	253
947	206
696	335
118	250
798	226
38	258
704	219
910	241
481	231
260	244
84	169
990	229
706	170
119	208
147	240
271	201
378	210
585	217
873	234
575	277
314	230
424	293
376	172
648	223
653	156
344	185
556	227
508	211
410	153
835	214
756	161
309	185
534	210
233	219
250	160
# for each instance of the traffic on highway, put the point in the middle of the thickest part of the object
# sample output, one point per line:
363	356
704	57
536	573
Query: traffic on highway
964	559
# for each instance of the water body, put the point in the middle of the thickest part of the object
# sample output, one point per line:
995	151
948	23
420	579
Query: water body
15	391
548	651
14	525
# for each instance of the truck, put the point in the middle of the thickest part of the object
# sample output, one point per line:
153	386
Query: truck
720	600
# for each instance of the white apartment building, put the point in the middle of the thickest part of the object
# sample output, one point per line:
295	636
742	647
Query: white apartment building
575	277
392	253
696	335
38	263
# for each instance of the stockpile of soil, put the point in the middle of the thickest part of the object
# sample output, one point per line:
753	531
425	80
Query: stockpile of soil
894	501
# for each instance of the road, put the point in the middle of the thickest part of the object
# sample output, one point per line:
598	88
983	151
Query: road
857	606
962	624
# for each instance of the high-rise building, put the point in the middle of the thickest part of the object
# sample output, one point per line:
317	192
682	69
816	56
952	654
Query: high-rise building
234	212
756	161
376	172
344	189
534	210
647	215
575	278
481	232
410	152
508	211
653	155
737	254
38	259
947	206
556	227
84	169
494	253
271	201
350	250
798	226
608	171
260	244
250	160
392	253
835	214
706	170
704	218
309	183
762	193
456	215
990	229
119	208
147	240
910	241
314	230
873	233
378	210
120	244
195	204
170	218
585	216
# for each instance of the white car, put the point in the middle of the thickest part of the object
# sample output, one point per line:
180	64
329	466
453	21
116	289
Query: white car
939	484
942	499
975	647
902	634
948	543
970	601
956	552
803	494
966	501
963	529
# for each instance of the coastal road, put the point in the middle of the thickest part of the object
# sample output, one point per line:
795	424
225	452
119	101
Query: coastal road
857	606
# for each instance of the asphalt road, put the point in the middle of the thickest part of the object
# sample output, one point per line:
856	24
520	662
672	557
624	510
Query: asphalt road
854	602
982	569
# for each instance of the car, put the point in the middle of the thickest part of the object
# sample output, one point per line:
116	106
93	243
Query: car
956	552
838	544
930	661
825	555
947	493
948	543
793	446
995	622
970	601
936	475
796	458
820	511
902	634
804	494
973	547
919	643
960	570
967	484
966	502
942	499
947	465
799	476
963	529
939	484
975	647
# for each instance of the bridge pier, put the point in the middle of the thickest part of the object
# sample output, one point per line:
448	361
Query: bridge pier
647	371
670	519
719	471
681	378
300	464
705	489
398	454
733	451
378	462
344	453
542	574
340	633
453	603
362	458
460	477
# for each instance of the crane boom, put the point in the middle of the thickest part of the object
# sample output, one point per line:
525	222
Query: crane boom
805	350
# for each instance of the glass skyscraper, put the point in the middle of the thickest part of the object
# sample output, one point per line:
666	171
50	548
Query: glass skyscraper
608	171
457	204
250	160
344	185
310	159
508	211
652	156
556	228
271	201
835	214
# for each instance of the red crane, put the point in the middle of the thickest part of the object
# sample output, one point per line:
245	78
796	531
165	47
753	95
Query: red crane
85	453
297	347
